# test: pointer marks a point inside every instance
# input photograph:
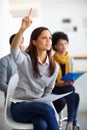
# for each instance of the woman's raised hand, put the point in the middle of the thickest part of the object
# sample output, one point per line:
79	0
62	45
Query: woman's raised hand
26	21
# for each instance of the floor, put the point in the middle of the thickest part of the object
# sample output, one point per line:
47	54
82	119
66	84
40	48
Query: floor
82	117
82	121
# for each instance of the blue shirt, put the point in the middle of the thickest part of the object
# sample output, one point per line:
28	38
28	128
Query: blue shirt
7	68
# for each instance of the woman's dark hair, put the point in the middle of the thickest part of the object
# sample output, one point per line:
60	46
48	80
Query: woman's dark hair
31	50
57	36
11	38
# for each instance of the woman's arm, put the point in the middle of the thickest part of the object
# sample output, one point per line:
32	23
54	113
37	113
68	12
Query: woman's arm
26	22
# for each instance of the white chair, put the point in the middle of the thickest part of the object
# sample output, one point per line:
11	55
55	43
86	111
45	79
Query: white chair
62	119
7	115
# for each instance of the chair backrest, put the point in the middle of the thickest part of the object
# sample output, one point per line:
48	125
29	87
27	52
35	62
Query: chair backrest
12	85
7	115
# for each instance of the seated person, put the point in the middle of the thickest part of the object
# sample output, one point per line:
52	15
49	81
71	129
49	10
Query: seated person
8	67
60	46
36	79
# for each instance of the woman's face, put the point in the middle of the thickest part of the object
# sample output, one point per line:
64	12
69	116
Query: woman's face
44	41
62	46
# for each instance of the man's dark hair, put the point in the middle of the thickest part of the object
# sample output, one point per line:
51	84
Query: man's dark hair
11	38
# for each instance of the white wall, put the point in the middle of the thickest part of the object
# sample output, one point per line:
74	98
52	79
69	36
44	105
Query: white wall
11	21
81	88
4	28
51	15
57	10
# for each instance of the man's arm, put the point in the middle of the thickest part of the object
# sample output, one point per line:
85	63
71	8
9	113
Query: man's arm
3	75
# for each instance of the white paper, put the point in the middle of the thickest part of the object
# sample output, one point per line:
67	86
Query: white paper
51	97
46	99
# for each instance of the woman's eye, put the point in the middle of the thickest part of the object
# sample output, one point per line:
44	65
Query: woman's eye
43	37
50	38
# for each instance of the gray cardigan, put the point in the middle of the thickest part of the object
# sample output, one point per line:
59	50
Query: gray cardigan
29	86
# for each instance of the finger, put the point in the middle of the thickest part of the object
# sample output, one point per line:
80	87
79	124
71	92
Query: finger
30	12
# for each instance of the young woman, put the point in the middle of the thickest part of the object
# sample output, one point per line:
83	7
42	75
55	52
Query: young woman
60	45
37	74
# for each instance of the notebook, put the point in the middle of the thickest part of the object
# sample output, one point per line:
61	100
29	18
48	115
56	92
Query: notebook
72	76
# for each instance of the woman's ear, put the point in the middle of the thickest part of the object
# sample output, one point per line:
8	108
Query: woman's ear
34	42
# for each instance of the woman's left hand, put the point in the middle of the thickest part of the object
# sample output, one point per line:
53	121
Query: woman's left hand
68	83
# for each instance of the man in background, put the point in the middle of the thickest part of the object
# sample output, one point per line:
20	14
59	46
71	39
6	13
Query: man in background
8	67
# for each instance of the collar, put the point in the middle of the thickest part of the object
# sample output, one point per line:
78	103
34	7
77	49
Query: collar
46	62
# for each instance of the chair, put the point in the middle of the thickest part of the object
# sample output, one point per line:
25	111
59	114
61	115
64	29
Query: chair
62	119
7	115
